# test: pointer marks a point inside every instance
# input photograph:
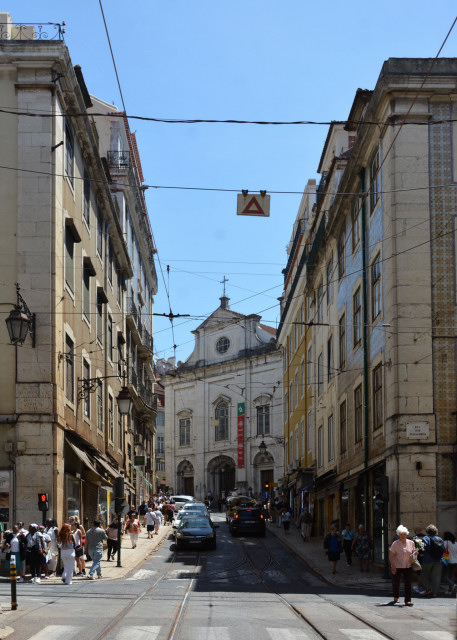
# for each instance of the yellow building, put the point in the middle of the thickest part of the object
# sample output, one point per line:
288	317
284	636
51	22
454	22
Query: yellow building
294	335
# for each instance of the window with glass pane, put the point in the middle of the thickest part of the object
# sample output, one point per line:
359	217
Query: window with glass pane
184	432
329	359
100	409
221	415
69	369
310	366
69	260
160	443
310	430
342	341
110	339
296	388
86	197
320	446
86	291
120	439
291	396
376	287
99	319
329	280
320	297
69	153
302	320
110	262
331	437
263	420
86	376
320	375
357	317
341	254
111	418
375	181
356	221
302	432
99	233
343	429
302	379
358	417
377	397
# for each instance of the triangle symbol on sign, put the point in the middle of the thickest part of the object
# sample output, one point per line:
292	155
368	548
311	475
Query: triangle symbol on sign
253	207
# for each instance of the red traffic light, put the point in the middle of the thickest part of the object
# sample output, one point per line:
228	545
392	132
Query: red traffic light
43	501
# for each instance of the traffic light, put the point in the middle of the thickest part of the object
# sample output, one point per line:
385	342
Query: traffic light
43	504
267	485
118	494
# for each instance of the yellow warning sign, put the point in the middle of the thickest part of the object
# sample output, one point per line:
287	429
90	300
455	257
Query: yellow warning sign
250	204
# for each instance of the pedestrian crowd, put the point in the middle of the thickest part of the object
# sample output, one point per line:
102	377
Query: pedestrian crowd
42	552
425	555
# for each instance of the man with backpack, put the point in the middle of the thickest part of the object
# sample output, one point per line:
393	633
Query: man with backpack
431	561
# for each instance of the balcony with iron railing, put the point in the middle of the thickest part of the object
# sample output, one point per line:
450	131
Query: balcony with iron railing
143	396
119	160
31	31
131	313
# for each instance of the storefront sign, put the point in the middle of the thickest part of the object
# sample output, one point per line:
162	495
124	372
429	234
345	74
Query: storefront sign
240	434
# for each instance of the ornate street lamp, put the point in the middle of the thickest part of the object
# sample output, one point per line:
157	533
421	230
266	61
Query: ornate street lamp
20	321
89	385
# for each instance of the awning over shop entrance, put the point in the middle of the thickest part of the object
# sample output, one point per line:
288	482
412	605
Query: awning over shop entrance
84	457
111	470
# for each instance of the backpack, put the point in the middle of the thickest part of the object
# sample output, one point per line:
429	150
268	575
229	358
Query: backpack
436	548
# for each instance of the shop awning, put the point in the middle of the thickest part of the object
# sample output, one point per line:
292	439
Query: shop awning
111	470
84	457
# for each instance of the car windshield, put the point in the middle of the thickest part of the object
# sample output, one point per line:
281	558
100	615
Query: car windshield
186	514
192	523
194	507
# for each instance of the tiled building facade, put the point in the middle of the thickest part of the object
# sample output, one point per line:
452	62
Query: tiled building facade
381	285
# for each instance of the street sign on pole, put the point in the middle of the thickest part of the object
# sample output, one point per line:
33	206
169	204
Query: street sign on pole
250	204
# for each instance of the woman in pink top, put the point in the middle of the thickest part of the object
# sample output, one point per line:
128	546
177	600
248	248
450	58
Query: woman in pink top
401	555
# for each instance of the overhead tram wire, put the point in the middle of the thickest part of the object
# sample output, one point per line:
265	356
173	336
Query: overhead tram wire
124	114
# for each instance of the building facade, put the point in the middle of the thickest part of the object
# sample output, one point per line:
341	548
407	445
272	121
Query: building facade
381	284
66	243
294	337
221	405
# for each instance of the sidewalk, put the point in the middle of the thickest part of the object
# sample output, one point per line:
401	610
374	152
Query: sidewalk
130	558
313	554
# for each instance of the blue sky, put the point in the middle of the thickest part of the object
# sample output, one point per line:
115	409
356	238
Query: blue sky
244	60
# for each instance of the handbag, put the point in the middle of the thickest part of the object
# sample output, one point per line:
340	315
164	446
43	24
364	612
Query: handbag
416	565
79	552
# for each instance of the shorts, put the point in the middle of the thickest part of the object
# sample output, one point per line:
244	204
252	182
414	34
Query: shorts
150	527
333	556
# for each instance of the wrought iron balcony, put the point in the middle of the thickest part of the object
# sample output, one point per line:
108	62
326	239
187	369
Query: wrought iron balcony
119	160
132	312
31	31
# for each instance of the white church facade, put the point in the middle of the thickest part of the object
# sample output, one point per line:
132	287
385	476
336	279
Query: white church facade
223	410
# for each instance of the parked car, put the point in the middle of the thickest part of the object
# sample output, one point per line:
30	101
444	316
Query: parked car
196	506
195	531
181	500
247	520
233	502
184	513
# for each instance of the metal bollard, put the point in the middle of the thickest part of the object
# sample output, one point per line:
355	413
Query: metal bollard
13	581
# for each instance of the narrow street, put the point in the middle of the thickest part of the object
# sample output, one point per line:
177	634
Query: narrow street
248	587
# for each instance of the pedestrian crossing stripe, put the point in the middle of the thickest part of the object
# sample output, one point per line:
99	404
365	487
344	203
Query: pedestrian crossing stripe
362	634
143	632
435	635
287	634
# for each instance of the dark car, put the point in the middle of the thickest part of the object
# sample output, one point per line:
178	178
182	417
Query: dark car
195	531
248	520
